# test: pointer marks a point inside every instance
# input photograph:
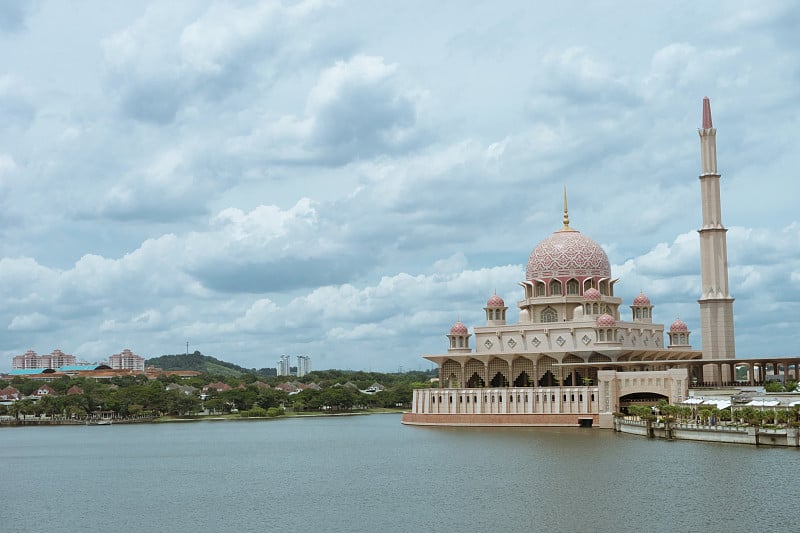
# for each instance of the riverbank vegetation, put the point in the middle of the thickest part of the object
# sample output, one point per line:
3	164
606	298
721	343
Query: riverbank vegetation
768	417
135	397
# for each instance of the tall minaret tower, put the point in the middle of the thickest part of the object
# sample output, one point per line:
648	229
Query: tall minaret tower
716	304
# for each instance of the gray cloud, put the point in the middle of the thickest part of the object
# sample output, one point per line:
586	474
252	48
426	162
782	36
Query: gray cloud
223	172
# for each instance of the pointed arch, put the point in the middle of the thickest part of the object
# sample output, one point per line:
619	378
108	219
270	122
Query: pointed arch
451	368
520	366
475	373
501	368
555	288
549	314
547	372
573	287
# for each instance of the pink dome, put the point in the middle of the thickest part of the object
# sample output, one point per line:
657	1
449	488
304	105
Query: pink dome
641	300
679	325
495	301
458	329
605	320
567	253
591	294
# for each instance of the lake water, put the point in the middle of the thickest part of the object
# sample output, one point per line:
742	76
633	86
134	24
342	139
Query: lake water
370	473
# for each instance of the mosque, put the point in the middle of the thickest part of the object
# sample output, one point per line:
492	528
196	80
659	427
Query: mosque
576	356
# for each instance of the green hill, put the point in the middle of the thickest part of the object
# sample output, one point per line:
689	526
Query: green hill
199	362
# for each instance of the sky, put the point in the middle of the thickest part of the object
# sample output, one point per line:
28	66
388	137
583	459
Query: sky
346	180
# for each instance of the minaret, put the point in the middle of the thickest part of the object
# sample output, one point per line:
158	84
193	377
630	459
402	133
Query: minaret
716	304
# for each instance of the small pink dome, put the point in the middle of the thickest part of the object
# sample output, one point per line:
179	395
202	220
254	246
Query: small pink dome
641	300
605	320
458	329
679	325
591	294
495	301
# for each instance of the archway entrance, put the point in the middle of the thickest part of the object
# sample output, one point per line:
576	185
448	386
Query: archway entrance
649	399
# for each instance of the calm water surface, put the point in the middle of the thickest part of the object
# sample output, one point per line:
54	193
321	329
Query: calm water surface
370	473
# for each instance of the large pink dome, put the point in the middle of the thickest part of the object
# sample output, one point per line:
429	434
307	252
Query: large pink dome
567	253
458	329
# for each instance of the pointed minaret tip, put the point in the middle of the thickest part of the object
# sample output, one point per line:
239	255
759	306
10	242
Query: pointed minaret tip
566	213
707	124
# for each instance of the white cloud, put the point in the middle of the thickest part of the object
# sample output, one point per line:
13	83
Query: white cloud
30	322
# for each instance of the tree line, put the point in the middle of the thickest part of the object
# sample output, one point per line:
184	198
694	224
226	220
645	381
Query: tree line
136	396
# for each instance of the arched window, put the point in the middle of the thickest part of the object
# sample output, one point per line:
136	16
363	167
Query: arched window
549	315
572	287
452	342
604	288
602	335
594	309
638	312
540	289
555	288
646	312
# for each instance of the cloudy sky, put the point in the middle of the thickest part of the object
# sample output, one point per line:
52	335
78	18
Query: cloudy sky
347	179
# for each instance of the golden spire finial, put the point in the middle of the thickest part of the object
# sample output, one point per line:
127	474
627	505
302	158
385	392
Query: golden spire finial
566	211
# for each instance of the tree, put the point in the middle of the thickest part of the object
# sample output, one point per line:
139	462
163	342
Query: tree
267	398
49	405
186	404
21	407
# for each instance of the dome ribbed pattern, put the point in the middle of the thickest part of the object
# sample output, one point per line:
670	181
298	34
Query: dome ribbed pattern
567	253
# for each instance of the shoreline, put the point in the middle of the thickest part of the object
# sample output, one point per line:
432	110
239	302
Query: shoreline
168	420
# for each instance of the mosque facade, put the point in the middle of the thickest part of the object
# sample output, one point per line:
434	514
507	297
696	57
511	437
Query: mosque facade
577	353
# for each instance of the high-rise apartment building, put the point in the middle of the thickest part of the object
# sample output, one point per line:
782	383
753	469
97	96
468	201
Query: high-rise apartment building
29	360
284	366
126	360
303	365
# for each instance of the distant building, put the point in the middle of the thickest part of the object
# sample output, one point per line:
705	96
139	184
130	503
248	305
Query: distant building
30	360
303	365
10	394
126	360
44	390
283	366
